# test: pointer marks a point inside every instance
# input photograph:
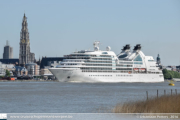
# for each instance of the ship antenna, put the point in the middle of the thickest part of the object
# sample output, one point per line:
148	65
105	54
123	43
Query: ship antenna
96	45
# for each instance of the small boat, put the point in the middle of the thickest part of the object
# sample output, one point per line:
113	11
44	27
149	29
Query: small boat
171	84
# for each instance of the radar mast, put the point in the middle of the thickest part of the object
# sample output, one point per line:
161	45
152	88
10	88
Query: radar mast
96	45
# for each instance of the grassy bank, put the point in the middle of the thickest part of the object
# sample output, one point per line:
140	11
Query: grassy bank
163	104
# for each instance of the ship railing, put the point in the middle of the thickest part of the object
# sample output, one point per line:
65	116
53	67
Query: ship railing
120	71
77	57
111	71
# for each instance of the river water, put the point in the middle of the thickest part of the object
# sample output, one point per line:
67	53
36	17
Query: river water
64	97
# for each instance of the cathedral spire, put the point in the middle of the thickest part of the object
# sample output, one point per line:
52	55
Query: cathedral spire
25	56
24	30
25	18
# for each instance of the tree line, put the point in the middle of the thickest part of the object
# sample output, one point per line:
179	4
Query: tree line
168	74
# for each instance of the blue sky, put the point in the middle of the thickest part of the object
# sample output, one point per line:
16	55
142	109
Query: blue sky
59	27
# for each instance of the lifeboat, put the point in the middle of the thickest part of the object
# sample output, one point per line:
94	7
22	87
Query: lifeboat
142	69
136	69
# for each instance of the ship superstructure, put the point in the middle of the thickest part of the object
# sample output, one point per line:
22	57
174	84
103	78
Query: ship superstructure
106	66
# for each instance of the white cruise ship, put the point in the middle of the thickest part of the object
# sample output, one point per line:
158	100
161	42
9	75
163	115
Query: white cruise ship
106	66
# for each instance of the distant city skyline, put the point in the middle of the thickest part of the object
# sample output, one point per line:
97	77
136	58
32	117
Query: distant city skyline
57	28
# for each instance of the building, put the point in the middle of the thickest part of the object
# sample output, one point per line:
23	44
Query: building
9	67
33	69
50	62
25	56
4	67
10	61
2	70
8	51
20	71
46	63
45	72
178	68
173	68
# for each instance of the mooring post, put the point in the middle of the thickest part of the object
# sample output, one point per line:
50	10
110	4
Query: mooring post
171	92
157	93
164	92
147	94
176	91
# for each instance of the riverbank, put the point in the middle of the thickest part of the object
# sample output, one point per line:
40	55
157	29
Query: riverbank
163	104
32	80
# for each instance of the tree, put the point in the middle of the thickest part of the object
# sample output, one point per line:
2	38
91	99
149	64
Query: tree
171	76
165	71
8	73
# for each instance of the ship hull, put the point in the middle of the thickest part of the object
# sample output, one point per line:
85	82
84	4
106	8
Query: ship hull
75	74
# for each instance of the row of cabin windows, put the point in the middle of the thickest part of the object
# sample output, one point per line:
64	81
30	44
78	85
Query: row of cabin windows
104	56
97	64
124	75
98	61
123	72
96	68
101	75
124	65
82	55
69	64
72	61
125	62
123	69
91	55
101	59
151	69
154	72
138	63
151	60
112	71
111	75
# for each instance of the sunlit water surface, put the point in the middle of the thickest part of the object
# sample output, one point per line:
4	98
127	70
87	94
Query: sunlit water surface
64	97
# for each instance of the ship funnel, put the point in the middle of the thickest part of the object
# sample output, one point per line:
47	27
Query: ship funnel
125	52
126	47
137	47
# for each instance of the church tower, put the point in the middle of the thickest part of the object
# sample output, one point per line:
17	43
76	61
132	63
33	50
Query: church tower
25	56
